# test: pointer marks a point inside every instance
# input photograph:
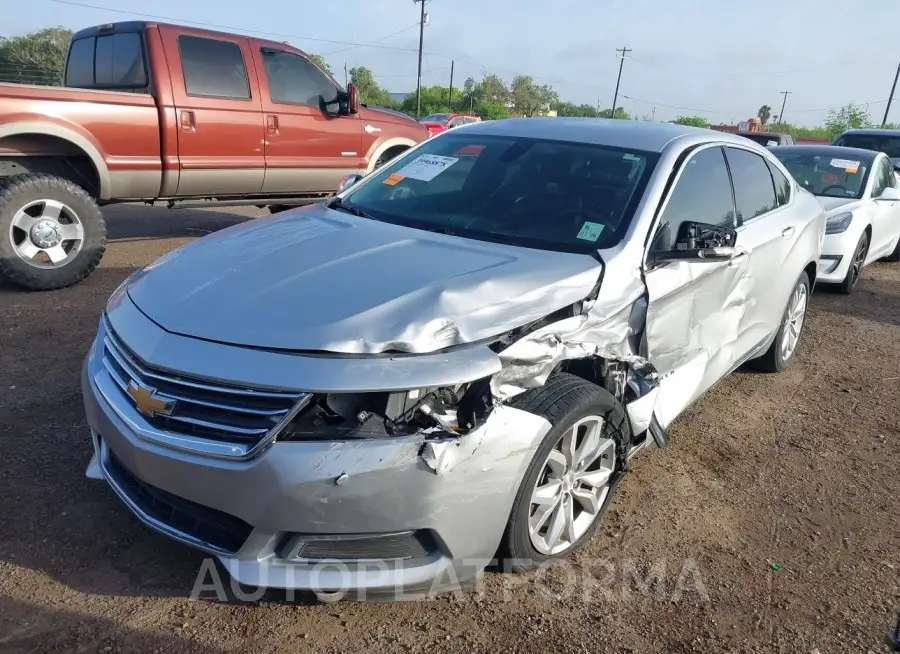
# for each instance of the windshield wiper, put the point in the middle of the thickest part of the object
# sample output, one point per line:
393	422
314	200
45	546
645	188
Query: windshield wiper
339	205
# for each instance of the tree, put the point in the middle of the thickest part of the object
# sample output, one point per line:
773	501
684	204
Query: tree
369	90
491	110
36	58
692	121
528	98
618	114
849	116
319	61
764	113
434	101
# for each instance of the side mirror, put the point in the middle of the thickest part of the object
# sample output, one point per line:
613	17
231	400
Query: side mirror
890	194
696	242
348	181
352	98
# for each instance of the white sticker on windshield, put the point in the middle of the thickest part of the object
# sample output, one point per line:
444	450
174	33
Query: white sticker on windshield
771	143
590	231
426	167
847	164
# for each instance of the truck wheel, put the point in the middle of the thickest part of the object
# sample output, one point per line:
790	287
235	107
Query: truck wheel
570	482
52	233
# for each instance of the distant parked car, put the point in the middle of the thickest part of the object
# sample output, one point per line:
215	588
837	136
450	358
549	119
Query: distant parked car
860	191
437	123
880	140
768	139
455	356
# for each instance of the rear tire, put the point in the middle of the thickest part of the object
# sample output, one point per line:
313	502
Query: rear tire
566	401
780	354
52	232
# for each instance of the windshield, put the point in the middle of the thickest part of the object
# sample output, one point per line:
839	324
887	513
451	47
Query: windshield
436	118
826	175
546	194
890	145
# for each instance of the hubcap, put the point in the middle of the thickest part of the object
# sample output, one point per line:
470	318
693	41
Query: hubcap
794	321
46	234
572	486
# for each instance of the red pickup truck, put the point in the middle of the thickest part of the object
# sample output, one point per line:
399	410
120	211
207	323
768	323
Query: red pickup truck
154	112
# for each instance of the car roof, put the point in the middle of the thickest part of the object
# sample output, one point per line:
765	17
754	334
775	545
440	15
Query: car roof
638	135
837	151
872	131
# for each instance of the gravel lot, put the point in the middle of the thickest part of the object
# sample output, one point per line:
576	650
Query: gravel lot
782	491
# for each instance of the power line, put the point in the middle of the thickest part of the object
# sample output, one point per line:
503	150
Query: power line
370	43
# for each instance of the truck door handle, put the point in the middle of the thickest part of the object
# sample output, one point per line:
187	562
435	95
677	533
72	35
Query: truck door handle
787	232
187	120
272	124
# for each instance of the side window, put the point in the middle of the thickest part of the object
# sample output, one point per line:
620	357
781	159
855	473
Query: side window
782	186
80	65
702	194
754	191
294	80
119	62
884	178
213	68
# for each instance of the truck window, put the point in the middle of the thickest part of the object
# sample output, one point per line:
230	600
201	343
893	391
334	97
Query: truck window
294	80
213	68
113	61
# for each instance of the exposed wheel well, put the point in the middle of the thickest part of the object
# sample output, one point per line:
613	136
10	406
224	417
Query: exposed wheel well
810	271
40	153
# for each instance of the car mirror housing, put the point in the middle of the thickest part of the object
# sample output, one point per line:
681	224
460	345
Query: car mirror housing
697	242
890	194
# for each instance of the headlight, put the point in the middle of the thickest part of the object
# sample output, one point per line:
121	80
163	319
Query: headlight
839	223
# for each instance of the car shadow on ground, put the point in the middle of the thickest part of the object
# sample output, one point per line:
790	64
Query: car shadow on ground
126	222
875	299
28	627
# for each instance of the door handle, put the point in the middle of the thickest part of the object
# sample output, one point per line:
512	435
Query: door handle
187	120
787	232
272	124
370	129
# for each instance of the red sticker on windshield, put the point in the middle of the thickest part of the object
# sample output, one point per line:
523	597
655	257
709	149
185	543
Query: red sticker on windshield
829	178
473	150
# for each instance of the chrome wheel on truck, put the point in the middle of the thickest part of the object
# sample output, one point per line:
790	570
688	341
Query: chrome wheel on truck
52	233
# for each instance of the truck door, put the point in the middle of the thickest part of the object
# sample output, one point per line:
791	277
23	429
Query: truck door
218	113
308	147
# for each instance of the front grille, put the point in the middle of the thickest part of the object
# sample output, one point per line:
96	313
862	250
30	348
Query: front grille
222	531
195	407
355	547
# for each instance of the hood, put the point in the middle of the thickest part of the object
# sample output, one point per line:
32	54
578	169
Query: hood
832	204
314	279
386	115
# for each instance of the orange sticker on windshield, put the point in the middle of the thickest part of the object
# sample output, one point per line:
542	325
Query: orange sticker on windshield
393	179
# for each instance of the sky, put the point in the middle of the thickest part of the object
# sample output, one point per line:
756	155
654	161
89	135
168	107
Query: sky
720	59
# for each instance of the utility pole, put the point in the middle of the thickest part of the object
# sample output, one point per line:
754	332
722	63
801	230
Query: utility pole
783	102
653	116
624	52
450	101
421	39
346	79
891	98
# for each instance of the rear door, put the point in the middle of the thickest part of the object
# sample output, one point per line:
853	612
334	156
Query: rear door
695	309
885	214
767	230
309	148
218	113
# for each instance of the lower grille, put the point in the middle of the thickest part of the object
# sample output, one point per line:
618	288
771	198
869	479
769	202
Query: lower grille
356	547
220	530
195	407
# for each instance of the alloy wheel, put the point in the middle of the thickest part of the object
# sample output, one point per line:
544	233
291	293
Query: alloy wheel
859	258
572	486
46	234
796	314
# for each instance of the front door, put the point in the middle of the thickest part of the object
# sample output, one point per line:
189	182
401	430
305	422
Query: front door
886	213
695	309
308	149
218	114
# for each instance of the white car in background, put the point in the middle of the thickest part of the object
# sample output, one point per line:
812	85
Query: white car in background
861	193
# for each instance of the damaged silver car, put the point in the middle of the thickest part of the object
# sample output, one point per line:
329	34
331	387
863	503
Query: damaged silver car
454	359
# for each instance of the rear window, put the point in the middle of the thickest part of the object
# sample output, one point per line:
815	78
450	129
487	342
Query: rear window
213	68
112	61
890	144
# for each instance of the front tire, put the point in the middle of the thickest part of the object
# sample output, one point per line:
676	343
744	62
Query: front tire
783	349
571	480
854	272
52	232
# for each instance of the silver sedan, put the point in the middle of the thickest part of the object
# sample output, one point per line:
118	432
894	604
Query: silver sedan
455	357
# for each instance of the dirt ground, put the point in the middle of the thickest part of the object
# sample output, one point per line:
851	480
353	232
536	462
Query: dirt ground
773	518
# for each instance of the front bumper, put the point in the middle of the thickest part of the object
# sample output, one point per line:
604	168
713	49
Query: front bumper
837	254
297	491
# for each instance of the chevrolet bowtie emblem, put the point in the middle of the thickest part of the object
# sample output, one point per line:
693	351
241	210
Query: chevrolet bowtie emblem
148	402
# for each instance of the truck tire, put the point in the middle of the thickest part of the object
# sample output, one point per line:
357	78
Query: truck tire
568	403
52	233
